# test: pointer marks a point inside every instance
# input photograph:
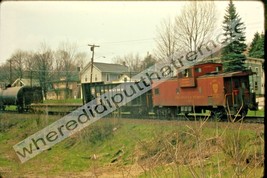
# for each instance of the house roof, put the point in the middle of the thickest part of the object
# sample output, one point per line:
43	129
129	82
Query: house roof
26	82
114	68
107	67
74	77
255	59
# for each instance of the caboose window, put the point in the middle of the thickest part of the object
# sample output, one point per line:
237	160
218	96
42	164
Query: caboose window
177	91
156	91
187	73
198	70
218	68
236	84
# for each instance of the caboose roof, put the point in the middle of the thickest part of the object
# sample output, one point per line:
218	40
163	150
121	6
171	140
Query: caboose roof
228	74
200	64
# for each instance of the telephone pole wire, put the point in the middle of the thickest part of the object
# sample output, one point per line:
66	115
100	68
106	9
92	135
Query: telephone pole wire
92	47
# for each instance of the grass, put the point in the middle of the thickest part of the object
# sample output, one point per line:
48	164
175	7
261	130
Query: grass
11	108
78	101
256	113
136	148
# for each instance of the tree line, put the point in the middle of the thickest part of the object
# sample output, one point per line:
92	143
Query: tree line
135	62
45	65
194	27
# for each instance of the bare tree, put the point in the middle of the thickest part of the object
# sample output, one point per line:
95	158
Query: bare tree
16	66
81	60
166	41
29	61
5	73
133	62
195	25
188	32
44	66
30	68
17	60
148	61
66	67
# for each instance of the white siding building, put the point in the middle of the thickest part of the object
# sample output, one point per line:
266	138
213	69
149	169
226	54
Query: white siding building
103	72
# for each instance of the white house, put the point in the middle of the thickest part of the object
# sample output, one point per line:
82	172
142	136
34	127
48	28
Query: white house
103	72
257	81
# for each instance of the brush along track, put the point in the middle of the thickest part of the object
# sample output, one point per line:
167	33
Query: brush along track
56	109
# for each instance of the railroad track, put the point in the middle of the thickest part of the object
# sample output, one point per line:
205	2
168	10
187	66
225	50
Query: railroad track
254	119
59	109
192	117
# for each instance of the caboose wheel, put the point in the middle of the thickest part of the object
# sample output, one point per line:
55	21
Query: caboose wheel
3	108
20	109
244	112
218	114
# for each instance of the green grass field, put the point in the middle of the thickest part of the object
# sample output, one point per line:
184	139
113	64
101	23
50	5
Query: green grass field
78	101
137	148
256	113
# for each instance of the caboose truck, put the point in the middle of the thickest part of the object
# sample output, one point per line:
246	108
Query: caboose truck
205	87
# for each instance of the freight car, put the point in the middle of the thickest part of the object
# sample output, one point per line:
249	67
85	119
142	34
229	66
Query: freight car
141	105
21	97
205	87
196	89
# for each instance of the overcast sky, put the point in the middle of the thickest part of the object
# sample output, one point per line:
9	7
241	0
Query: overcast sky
119	28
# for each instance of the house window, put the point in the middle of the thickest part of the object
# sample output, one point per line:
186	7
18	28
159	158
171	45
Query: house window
257	70
95	77
256	86
156	91
107	79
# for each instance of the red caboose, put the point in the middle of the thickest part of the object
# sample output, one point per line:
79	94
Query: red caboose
205	87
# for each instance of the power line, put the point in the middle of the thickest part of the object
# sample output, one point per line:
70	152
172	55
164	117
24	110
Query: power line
127	41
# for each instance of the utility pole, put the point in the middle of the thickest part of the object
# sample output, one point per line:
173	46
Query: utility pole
10	71
92	60
31	77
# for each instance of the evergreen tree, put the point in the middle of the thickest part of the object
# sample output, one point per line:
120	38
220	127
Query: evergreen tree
232	54
257	46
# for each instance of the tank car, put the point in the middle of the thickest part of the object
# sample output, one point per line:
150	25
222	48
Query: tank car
21	97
